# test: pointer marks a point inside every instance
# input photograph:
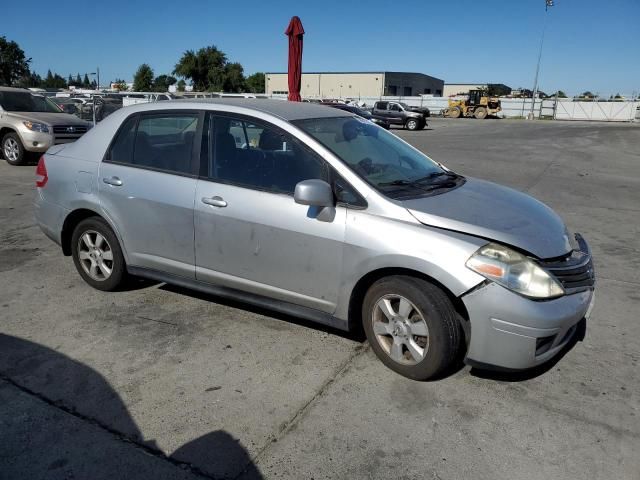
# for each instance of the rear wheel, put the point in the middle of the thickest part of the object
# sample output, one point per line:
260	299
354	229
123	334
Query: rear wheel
411	326
97	255
454	112
12	149
480	113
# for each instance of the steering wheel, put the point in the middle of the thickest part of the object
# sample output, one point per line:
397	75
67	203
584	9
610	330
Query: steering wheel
365	166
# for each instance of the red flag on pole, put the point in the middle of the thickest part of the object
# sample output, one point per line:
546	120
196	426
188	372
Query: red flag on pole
295	32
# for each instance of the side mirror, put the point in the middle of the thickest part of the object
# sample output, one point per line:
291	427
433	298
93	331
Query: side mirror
315	193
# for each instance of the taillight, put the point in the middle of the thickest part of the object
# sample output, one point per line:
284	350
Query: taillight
41	173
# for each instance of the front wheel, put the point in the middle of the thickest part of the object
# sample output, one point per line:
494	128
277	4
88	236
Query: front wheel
412	124
97	255
12	149
411	326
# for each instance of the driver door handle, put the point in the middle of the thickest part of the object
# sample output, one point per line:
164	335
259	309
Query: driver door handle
214	201
115	181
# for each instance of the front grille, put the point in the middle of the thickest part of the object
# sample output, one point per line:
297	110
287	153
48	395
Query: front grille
574	272
69	129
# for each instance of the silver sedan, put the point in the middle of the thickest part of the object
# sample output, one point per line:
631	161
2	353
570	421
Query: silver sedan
315	212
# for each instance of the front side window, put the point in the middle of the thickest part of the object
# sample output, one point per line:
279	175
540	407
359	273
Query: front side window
159	141
379	157
394	107
260	156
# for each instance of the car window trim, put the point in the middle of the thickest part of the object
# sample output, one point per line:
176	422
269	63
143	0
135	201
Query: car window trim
194	162
332	173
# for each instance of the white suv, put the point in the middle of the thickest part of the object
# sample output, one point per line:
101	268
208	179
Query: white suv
32	123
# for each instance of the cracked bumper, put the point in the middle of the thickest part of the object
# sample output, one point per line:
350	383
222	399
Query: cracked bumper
512	332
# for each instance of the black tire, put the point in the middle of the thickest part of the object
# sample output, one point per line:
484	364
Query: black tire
12	141
480	113
118	275
444	333
412	124
454	112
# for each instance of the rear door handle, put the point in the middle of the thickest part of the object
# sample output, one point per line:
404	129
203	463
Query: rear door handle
115	181
214	201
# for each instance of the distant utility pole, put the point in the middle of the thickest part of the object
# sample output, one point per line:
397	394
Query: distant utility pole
548	3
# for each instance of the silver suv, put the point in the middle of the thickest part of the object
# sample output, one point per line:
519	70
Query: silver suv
318	213
32	123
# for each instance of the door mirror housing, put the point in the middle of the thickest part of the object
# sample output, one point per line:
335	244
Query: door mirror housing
317	193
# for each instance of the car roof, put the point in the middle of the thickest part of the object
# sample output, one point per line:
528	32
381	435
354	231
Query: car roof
12	89
280	108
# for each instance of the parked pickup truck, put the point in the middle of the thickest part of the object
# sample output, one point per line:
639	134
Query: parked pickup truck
398	113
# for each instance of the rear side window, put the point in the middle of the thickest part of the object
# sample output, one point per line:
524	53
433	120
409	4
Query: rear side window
160	141
122	148
381	105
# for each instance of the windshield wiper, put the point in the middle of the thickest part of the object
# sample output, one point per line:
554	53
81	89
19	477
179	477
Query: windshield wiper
397	182
433	175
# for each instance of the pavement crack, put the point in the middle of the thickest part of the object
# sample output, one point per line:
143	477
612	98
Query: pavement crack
302	411
159	454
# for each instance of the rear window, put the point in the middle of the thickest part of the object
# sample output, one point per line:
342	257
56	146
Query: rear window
160	141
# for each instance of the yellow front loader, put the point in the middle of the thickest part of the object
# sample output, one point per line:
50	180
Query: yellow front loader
478	105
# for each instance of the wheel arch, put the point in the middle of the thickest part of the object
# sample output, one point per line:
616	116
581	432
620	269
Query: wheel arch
364	283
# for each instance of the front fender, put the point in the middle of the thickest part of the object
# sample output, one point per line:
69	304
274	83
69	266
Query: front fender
374	242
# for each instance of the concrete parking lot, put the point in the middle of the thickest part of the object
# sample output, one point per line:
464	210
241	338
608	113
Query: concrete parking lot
159	382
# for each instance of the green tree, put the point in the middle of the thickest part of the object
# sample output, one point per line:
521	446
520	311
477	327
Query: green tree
255	83
86	83
78	82
497	90
13	63
181	85
205	68
143	79
70	81
30	80
561	94
233	78
162	83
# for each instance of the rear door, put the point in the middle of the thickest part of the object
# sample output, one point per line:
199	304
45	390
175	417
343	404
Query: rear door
147	185
396	114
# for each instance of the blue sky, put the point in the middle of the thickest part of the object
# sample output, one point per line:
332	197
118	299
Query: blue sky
589	45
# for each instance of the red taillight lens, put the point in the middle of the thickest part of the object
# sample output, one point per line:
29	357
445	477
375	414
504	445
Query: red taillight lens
41	173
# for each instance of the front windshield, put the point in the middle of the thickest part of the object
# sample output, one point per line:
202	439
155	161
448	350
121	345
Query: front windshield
405	106
26	102
379	157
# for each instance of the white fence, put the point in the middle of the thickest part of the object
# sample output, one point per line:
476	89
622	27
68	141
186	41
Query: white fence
560	109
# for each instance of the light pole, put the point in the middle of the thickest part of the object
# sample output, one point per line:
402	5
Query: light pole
548	3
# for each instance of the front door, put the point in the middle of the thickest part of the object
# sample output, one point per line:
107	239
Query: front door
249	232
147	185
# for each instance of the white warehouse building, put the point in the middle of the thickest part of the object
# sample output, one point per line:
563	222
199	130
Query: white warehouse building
357	84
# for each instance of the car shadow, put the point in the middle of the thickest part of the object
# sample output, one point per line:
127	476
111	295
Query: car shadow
356	334
531	373
51	404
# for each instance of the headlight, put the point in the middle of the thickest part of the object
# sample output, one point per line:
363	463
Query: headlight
36	127
514	272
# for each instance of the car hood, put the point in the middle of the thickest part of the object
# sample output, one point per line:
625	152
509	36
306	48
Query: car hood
498	213
49	118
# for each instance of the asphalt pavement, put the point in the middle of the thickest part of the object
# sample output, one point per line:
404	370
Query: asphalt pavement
160	382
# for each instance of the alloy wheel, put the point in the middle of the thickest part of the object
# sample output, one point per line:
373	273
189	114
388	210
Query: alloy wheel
95	255
400	329
11	150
